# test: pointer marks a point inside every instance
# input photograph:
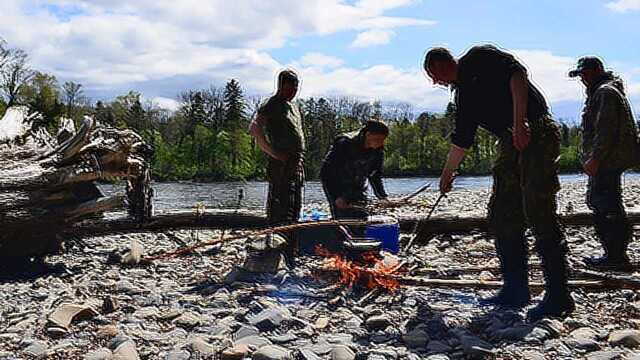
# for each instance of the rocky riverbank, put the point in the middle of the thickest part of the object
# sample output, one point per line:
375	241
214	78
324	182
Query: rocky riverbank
89	305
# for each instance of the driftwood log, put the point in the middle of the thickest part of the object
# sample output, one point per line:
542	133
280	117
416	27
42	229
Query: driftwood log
251	220
47	184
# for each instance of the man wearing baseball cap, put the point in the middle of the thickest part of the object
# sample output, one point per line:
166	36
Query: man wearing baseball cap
609	147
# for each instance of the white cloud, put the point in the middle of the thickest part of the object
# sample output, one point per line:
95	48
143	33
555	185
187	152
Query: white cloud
379	82
319	60
118	43
166	103
624	5
372	38
549	72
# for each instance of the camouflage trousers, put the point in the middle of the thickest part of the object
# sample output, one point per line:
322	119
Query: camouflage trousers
284	200
525	185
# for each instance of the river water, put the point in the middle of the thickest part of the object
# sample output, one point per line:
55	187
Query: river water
185	195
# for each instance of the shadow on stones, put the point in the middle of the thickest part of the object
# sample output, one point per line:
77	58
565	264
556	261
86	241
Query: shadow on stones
29	269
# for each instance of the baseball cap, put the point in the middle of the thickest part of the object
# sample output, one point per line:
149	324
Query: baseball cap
586	63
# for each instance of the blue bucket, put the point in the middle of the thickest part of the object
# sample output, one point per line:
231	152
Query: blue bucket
386	230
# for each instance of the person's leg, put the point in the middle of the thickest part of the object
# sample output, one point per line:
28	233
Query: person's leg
284	202
610	220
506	220
540	185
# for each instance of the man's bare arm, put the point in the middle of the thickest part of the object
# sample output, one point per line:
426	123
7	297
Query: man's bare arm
255	129
456	154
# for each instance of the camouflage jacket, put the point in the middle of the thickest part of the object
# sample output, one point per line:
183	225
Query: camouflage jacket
347	167
609	130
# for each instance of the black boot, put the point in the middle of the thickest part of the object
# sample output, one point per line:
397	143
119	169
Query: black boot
614	233
513	263
557	301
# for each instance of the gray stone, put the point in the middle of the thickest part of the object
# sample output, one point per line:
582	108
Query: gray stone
416	338
178	355
537	335
384	354
627	338
237	352
553	326
605	355
341	352
308	354
380	322
514	333
246	330
268	261
255	342
36	348
572	323
123	348
340	338
583	339
381	337
202	347
321	348
285	338
582	344
475	347
438	346
271	352
187	320
584	332
269	319
102	354
532	355
437	357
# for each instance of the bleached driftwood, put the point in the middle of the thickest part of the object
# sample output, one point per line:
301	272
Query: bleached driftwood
46	187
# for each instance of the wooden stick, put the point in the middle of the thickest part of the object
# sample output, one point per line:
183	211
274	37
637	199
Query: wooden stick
283	228
490	284
621	281
417	192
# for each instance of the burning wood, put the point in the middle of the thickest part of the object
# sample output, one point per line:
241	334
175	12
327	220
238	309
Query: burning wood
371	271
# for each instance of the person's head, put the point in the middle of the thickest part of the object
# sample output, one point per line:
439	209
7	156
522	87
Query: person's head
441	66
375	132
287	84
589	69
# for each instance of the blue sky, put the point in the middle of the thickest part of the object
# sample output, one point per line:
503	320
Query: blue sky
366	49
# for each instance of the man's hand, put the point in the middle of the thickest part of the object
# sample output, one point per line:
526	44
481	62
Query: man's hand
591	166
446	180
521	135
341	203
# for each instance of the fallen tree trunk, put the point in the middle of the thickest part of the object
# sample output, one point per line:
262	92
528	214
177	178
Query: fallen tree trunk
253	220
46	187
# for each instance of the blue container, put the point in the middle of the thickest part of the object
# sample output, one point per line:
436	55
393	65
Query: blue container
386	230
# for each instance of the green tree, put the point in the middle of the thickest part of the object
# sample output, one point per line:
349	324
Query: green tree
42	95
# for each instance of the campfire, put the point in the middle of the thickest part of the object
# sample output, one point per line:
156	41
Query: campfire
371	270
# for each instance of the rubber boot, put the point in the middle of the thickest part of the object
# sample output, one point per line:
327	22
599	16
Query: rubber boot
557	301
614	233
514	293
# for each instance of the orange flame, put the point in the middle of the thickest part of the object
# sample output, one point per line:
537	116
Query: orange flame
379	275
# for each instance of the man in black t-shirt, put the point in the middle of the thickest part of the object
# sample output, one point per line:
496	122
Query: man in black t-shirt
278	132
492	91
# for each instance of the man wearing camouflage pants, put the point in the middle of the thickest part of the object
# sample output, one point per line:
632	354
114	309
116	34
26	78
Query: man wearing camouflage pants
492	91
609	145
282	119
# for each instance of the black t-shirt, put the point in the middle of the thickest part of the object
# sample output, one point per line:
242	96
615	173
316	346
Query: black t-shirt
483	94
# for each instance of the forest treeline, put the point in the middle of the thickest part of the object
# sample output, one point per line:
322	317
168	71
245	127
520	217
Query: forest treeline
206	138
